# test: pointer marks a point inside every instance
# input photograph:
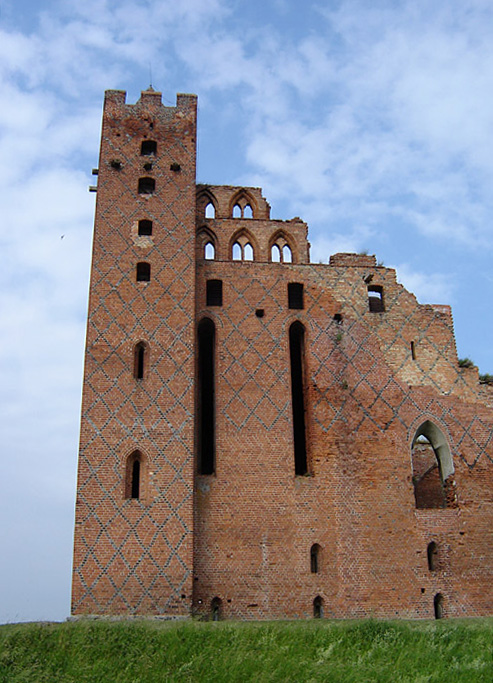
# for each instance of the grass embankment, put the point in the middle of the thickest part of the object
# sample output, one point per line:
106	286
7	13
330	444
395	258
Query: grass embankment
345	651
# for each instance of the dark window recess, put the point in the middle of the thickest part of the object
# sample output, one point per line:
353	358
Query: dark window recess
136	479
206	409
318	609
375	299
148	166
338	318
432	552
315	558
145	227
148	147
116	164
143	272
216	604
296	353
438	606
260	312
413	350
214	293
133	475
147	185
139	360
175	167
295	295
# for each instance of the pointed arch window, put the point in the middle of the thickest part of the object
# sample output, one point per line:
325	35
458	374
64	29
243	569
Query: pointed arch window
242	249
433	469
209	252
280	251
134	475
237	213
210	211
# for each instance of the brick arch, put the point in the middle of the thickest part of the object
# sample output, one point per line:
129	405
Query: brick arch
281	238
242	198
243	236
204	236
432	466
204	198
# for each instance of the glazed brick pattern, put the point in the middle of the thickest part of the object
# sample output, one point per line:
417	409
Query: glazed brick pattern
242	536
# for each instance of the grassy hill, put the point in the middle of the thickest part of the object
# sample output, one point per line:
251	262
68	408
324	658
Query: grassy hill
346	651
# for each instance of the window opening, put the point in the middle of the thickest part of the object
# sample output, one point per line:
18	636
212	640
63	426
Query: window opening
338	318
287	256
438	606
133	475
432	553
143	272
214	293
237	252
275	254
206	410
413	351
260	312
216	609
139	360
145	227
248	252
210	211
147	185
315	558
375	299
296	352
209	252
318	610
136	479
236	211
295	295
434	486
247	211
148	147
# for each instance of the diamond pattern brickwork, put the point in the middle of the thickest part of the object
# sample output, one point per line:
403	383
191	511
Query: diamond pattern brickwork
134	556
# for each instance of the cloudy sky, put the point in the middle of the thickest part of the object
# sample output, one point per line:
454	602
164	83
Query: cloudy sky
371	121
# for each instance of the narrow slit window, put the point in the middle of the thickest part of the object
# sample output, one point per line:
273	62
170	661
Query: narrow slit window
147	185
438	606
143	272
297	361
140	353
210	211
413	350
214	293
295	295
134	476
216	609
206	409
432	553
148	147
145	227
375	299
209	252
315	558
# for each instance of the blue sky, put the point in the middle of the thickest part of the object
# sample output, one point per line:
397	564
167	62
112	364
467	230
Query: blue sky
371	121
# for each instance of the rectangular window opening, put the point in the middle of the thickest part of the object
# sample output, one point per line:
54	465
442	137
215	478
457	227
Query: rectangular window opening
214	293
295	295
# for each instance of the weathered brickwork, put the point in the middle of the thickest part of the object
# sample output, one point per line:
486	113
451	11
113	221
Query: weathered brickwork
189	500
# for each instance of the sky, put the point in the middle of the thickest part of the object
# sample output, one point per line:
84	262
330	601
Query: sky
371	121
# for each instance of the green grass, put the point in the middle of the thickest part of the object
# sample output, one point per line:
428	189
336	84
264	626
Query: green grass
345	651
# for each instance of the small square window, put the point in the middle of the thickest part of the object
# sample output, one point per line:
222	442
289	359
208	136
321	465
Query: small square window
148	147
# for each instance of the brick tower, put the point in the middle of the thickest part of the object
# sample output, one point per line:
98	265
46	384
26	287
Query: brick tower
133	548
